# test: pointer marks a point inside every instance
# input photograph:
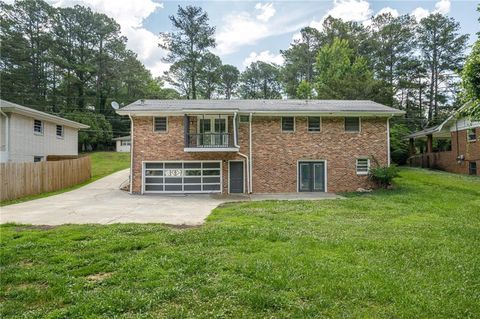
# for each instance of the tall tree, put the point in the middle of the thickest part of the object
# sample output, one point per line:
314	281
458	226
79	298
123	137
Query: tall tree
442	51
209	75
300	60
191	40
392	39
229	76
261	80
342	74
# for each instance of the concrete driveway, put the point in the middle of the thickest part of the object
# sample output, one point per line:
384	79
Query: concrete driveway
102	202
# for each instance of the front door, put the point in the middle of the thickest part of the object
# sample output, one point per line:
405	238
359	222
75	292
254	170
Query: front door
236	177
311	176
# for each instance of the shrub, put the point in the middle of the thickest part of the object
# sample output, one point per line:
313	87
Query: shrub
383	175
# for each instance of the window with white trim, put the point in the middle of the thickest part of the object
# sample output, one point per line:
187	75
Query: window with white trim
362	166
160	124
352	124
471	135
37	159
37	127
244	118
125	143
314	124
59	131
288	124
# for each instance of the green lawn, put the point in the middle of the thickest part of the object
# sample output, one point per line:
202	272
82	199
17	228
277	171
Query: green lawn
103	164
413	252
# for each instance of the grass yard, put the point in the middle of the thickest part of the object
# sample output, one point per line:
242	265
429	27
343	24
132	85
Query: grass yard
103	164
413	252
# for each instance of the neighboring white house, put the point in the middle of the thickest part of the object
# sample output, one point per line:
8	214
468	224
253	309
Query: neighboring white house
28	135
123	143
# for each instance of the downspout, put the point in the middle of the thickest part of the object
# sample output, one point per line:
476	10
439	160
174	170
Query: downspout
235	143
388	141
250	151
131	154
7	137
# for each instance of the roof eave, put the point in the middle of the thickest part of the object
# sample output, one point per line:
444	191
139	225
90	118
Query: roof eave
43	116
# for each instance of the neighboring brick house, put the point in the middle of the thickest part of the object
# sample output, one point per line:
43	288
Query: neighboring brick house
452	146
259	146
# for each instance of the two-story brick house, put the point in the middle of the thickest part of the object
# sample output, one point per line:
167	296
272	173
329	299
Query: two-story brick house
255	146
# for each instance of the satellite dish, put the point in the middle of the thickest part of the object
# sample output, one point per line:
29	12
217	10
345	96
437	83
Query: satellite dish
115	105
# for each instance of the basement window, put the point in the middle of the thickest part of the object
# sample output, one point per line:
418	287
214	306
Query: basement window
38	127
352	124
362	166
472	168
160	124
471	135
288	124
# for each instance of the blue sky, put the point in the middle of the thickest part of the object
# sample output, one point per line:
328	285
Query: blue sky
248	31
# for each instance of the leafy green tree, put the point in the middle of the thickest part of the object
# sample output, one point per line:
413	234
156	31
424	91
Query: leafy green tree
189	43
442	53
209	75
304	90
399	145
99	133
229	77
261	80
342	74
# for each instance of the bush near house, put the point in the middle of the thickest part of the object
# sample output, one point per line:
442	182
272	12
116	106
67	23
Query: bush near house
410	252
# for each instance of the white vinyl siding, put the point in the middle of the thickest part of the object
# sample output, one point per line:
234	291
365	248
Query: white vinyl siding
362	166
182	177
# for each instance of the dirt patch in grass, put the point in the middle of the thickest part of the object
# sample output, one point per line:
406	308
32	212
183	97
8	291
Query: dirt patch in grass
101	276
183	226
35	227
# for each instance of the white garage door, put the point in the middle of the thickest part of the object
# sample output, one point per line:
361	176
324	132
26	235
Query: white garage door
182	177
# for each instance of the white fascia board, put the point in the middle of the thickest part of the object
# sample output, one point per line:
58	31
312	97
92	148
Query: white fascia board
262	113
39	115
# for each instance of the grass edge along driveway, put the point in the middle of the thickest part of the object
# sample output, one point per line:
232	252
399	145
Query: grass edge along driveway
412	252
103	164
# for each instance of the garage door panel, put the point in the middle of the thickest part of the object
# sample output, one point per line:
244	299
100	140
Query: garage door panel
181	177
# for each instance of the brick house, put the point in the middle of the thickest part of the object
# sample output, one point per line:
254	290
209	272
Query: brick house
255	146
452	146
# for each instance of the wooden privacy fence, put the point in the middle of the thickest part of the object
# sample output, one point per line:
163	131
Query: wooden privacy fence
23	179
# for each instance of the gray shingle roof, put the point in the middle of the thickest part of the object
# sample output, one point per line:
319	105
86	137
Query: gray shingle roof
326	106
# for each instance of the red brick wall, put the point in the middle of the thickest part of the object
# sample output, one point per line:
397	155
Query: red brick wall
275	154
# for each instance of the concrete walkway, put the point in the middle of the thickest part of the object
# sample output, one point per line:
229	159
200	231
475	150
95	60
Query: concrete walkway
102	202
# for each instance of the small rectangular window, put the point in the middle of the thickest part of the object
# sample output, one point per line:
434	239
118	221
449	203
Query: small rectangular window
160	124
59	131
37	127
363	164
472	168
288	124
37	159
313	124
352	124
471	135
244	118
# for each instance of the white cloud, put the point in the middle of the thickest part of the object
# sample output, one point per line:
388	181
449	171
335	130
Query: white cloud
265	56
347	10
130	15
441	6
266	11
243	28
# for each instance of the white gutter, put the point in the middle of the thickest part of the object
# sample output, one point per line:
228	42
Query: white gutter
131	154
235	143
7	136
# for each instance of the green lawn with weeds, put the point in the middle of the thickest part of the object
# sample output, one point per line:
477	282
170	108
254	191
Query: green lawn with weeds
411	252
103	164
